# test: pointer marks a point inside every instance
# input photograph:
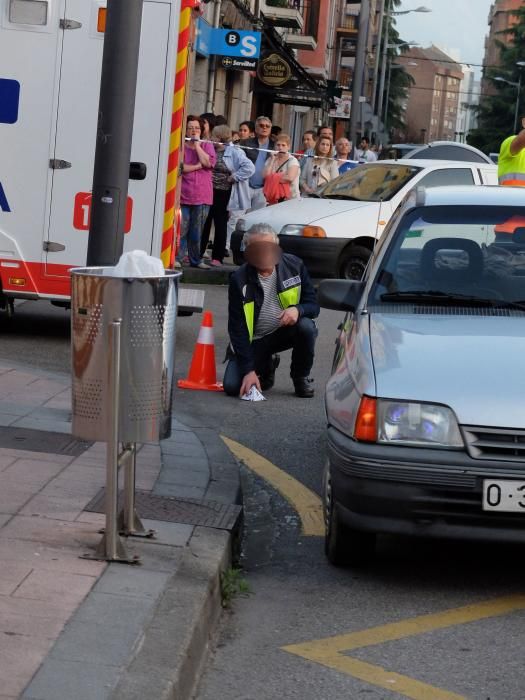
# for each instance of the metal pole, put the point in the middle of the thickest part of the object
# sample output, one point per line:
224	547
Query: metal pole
129	523
115	130
212	65
387	99
383	67
517	111
357	84
112	449
377	56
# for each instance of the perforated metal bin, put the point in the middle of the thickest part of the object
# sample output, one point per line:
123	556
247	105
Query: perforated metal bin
147	308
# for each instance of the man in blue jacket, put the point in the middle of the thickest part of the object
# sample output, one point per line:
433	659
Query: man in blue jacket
272	307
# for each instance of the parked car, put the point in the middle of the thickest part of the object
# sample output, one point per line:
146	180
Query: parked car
334	230
397	150
449	150
426	427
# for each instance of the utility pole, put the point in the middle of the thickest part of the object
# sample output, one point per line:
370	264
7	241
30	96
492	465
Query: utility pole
115	131
358	81
378	55
384	64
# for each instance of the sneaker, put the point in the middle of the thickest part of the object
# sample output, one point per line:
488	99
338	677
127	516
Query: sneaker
206	256
185	261
304	387
227	253
177	265
216	263
202	266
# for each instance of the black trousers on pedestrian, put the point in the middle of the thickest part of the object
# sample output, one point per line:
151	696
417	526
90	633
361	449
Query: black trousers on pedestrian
219	216
299	338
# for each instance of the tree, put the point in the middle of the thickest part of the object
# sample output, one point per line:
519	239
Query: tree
496	112
400	80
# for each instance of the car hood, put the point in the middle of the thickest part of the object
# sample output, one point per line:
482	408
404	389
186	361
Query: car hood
302	211
474	364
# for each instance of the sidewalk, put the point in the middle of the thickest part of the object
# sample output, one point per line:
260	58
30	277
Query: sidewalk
75	628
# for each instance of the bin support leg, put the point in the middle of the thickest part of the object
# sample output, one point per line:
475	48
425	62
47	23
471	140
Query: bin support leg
129	523
111	547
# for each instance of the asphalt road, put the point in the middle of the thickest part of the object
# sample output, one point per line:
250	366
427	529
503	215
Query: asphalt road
296	596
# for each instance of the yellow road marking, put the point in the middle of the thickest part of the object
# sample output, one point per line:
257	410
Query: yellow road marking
306	503
331	652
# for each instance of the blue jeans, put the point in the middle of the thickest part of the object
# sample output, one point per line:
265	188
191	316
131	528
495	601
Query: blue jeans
300	338
193	219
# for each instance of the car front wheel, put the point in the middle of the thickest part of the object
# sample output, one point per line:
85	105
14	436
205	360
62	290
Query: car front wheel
353	262
344	546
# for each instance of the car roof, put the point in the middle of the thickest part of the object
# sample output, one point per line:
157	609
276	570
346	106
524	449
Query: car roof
481	196
422	163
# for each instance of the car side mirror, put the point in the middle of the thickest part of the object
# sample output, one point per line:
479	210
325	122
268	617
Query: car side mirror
340	295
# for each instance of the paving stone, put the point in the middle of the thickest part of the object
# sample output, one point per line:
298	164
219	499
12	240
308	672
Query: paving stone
184	477
12	576
17	408
174	534
47	506
20	657
184	449
131	581
7	419
46	585
52	426
163	489
48	532
68	680
171	461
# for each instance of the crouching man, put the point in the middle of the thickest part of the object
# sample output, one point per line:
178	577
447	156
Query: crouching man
272	306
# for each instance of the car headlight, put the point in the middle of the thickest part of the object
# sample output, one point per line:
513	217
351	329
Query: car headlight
305	231
424	424
292	230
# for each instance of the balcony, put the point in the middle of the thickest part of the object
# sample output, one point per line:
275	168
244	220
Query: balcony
348	22
283	13
305	38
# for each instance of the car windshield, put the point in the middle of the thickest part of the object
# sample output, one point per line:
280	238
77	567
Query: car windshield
455	256
375	182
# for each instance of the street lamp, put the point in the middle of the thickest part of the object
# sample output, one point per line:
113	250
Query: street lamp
517	85
382	110
389	15
393	66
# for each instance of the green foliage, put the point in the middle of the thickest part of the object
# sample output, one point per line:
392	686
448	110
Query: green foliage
400	80
233	585
496	112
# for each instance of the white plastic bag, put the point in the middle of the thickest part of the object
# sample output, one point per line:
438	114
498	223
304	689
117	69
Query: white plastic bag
137	263
253	395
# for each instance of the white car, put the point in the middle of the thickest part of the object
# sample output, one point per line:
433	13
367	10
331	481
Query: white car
334	230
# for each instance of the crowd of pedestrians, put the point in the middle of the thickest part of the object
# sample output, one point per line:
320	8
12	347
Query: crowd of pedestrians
226	173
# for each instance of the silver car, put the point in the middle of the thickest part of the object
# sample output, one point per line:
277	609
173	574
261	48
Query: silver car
426	402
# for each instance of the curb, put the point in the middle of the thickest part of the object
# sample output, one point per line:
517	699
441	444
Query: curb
174	648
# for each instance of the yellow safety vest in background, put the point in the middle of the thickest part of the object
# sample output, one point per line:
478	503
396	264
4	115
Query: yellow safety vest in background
511	169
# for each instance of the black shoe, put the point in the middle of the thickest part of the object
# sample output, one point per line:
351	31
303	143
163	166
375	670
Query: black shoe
304	387
268	380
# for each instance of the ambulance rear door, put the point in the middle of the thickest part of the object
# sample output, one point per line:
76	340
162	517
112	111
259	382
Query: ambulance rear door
66	239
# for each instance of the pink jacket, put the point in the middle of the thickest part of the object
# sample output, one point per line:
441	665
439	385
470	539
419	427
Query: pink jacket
197	187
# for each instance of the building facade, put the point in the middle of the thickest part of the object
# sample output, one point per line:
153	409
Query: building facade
434	98
307	46
501	19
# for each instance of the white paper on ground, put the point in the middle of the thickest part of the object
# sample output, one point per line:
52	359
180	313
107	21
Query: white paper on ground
137	263
253	395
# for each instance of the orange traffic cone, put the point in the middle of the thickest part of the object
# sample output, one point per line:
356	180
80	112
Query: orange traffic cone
203	375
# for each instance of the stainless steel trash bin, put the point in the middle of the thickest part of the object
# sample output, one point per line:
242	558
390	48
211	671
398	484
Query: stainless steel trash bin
147	308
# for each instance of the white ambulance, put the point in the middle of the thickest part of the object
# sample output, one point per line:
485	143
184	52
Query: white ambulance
50	65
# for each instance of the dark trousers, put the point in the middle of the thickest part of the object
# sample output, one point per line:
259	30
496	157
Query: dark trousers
219	216
300	338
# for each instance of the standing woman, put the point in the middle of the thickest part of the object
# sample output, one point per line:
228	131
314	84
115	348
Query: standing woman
320	168
231	173
196	192
208	123
247	130
284	164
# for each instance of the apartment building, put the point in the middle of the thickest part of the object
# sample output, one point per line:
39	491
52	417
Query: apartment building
501	19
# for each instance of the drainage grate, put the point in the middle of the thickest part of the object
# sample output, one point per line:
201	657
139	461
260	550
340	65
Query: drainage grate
42	441
189	511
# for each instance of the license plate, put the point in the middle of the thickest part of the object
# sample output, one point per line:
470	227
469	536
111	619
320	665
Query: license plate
504	496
